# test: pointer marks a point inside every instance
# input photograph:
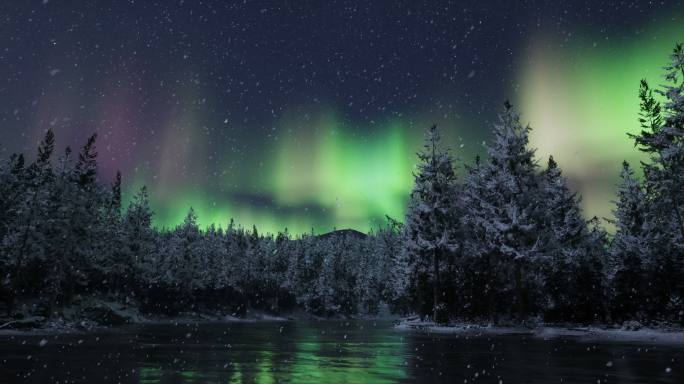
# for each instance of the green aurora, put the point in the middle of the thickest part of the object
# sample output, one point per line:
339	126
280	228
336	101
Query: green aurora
324	173
582	101
356	179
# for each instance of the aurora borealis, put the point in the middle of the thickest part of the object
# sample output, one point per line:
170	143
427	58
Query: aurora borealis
581	102
307	115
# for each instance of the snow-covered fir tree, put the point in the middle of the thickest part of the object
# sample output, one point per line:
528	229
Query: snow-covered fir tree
503	211
662	137
631	245
389	244
26	241
138	236
572	257
11	189
432	226
113	267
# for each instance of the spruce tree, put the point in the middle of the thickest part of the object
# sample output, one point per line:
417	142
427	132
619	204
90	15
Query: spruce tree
389	244
12	189
431	226
111	260
662	137
573	258
116	194
138	238
188	263
86	166
25	242
35	211
87	200
503	212
630	246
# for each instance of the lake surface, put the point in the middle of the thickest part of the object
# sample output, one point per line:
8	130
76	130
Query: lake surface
325	352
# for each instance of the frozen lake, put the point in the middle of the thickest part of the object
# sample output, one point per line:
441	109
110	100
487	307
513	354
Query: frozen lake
326	352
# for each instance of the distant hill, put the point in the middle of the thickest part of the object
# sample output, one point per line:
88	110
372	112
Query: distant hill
344	233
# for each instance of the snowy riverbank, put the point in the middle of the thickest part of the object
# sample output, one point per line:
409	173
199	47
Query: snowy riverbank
96	315
88	314
62	325
92	314
631	332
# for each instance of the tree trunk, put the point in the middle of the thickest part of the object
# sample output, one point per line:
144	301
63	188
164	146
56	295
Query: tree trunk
277	300
678	215
489	283
435	287
518	290
9	300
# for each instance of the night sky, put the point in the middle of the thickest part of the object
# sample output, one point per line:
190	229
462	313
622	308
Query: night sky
307	114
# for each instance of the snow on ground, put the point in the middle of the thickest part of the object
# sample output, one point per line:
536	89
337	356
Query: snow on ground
595	333
649	335
459	328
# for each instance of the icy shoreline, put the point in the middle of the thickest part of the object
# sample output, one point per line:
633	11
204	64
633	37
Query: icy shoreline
101	315
664	335
36	325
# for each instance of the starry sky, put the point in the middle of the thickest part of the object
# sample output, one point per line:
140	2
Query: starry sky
307	114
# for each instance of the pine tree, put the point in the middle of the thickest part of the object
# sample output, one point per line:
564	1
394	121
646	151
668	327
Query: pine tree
112	262
479	271
58	238
503	211
116	194
84	205
391	249
630	246
233	250
662	137
138	239
431	226
278	269
86	166
35	210
25	246
324	294
188	264
12	189
215	254
573	257
563	209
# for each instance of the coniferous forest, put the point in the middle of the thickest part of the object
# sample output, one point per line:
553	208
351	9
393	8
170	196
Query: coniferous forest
500	238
